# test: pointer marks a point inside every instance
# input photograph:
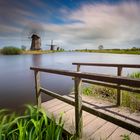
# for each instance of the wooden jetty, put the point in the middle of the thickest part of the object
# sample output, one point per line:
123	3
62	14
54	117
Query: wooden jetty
93	127
86	117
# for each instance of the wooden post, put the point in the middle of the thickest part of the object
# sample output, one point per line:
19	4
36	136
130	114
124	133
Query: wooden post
37	88
78	108
78	68
119	72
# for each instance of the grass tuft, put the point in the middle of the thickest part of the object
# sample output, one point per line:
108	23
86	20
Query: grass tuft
33	125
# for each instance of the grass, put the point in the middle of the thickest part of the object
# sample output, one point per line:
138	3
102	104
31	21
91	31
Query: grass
100	92
129	99
115	51
33	125
125	137
39	51
10	50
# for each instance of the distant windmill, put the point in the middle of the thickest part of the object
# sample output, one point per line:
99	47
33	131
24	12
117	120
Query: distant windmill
36	42
33	33
52	46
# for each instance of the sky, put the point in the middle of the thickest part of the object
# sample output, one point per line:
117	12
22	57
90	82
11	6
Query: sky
72	24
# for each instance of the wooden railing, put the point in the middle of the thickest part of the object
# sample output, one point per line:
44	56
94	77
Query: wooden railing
119	73
79	106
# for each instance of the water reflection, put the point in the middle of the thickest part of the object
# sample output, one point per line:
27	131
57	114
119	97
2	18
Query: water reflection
36	60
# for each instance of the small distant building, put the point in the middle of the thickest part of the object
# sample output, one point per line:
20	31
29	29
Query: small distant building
58	48
36	42
100	47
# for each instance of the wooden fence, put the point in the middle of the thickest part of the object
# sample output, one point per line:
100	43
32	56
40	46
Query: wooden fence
119	73
126	83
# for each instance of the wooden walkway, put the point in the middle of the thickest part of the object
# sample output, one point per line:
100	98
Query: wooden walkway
94	128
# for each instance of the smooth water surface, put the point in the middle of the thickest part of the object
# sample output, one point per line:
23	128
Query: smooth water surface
17	80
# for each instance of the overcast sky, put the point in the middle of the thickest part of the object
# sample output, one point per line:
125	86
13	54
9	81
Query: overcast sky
72	24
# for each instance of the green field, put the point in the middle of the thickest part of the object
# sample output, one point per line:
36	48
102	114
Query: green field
115	51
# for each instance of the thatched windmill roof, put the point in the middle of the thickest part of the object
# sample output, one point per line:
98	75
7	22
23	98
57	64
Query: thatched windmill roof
34	36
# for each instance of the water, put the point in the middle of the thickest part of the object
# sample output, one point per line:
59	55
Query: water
17	80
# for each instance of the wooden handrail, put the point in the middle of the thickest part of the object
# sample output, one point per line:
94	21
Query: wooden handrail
93	76
119	72
108	65
78	78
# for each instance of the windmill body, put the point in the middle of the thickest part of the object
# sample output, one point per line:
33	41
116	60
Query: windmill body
52	46
36	42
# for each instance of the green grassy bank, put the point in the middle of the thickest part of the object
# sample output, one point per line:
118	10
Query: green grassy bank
114	51
10	50
129	99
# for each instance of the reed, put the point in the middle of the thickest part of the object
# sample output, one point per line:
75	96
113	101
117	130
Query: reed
33	125
10	50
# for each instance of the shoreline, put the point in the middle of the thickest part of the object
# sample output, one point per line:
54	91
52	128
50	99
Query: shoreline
125	51
136	52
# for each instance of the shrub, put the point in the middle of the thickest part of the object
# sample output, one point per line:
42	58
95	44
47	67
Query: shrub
10	51
87	90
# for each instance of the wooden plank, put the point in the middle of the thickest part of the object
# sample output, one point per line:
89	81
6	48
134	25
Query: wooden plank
111	85
51	103
78	68
108	65
70	114
104	132
93	126
69	121
55	95
119	71
134	136
57	107
37	88
134	119
78	107
88	119
99	77
117	134
113	115
63	110
120	113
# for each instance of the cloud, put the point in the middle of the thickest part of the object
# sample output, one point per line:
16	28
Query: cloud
88	26
113	25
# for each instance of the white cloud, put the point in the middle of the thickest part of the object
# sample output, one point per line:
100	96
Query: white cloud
112	25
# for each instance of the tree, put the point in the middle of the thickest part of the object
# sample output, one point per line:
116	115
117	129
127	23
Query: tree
58	48
100	47
23	47
133	48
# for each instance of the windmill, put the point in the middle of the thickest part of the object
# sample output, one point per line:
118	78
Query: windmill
36	42
52	46
33	32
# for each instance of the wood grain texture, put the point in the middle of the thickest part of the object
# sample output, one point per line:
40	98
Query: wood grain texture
94	128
